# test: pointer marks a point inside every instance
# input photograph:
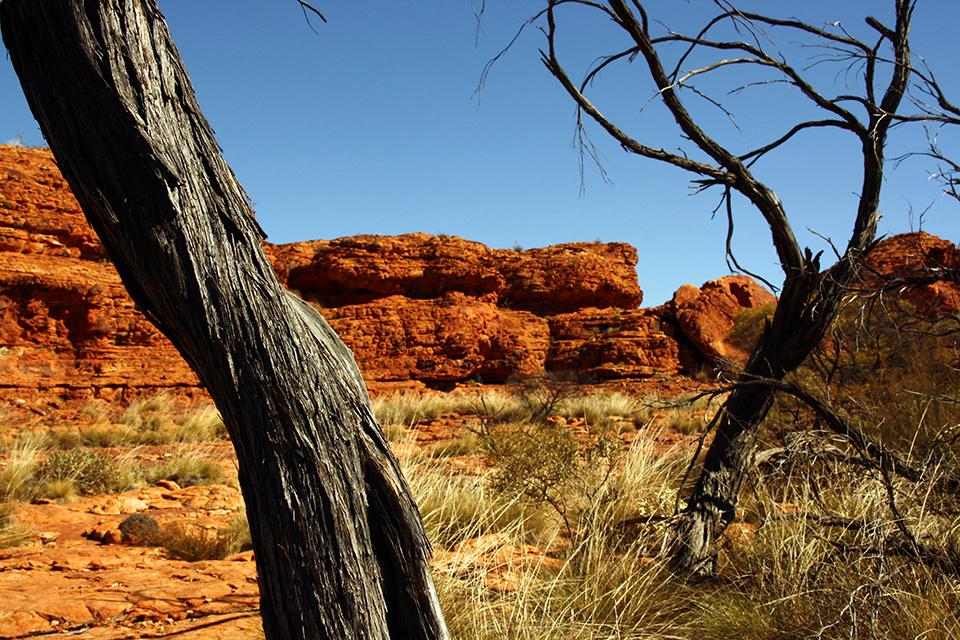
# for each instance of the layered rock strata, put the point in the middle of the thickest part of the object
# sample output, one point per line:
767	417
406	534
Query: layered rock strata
434	310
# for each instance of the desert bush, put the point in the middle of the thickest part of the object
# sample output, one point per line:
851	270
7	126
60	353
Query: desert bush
141	529
186	471
549	466
894	374
90	472
748	326
194	543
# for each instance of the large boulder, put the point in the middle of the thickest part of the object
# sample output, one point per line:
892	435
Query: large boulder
915	255
706	314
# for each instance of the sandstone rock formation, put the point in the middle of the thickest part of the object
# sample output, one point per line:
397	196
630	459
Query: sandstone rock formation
912	255
67	326
434	310
706	315
557	279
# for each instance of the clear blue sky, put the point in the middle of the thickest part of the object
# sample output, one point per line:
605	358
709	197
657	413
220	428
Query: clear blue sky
372	126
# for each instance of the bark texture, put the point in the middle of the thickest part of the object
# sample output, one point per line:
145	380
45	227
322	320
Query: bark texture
340	548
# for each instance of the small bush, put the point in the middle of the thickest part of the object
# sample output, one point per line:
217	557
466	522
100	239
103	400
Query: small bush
186	472
193	543
548	466
143	530
59	490
90	472
748	326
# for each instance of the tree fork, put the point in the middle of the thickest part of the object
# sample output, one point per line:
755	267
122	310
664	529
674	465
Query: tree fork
341	551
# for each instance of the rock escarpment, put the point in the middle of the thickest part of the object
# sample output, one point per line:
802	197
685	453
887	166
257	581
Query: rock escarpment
422	309
67	326
911	256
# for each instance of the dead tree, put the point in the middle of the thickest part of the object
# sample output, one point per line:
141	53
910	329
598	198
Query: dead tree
340	548
809	296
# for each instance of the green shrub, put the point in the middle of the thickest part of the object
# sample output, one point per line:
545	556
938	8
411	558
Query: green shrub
748	326
549	467
90	472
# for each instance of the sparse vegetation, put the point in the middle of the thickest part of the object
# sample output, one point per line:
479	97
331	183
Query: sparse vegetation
193	543
821	548
408	409
12	532
186	471
157	420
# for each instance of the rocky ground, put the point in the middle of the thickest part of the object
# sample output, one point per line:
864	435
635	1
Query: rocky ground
79	574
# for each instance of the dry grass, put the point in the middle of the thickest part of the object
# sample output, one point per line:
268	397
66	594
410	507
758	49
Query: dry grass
157	420
12	532
193	543
408	409
186	469
782	576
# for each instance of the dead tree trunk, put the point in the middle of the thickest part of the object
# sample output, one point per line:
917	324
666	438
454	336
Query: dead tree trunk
809	298
340	548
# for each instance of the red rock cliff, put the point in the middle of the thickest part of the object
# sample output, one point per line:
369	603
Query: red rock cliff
416	307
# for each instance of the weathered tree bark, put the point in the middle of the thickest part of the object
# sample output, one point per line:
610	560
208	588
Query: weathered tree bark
340	548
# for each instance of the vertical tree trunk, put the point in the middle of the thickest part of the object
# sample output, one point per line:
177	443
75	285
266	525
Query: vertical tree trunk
340	548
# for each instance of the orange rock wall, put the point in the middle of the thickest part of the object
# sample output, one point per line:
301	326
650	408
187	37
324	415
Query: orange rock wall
433	310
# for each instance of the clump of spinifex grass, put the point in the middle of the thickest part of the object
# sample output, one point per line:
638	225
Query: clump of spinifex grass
607	586
157	420
407	409
12	532
186	470
192	543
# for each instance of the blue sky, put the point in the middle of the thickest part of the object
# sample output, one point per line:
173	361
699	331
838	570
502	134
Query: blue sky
372	125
